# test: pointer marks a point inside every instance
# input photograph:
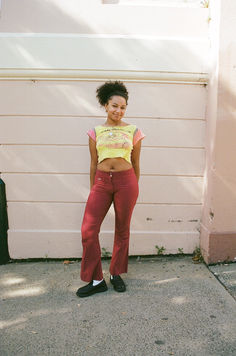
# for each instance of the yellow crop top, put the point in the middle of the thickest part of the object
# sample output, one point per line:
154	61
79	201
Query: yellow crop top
115	141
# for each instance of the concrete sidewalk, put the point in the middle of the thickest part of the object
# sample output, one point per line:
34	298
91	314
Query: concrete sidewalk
171	307
226	274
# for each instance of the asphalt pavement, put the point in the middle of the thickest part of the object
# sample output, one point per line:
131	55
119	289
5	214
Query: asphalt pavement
172	306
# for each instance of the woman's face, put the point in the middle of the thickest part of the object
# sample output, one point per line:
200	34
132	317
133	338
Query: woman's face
115	108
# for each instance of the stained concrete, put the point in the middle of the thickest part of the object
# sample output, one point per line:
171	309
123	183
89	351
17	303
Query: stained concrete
226	274
171	307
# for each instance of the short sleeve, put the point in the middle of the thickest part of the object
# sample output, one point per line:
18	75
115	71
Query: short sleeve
138	135
91	133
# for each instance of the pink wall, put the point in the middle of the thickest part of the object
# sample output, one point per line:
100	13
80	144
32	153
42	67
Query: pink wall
218	232
53	56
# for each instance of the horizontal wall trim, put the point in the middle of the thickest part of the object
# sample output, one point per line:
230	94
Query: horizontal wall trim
143	175
81	75
102	57
98	35
101	117
137	232
86	145
87	174
83	202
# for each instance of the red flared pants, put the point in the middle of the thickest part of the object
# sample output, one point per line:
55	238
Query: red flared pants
121	189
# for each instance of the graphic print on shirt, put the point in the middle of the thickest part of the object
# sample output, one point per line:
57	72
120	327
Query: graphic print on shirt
114	142
114	139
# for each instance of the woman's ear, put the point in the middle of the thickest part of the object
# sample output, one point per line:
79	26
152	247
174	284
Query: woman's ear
105	106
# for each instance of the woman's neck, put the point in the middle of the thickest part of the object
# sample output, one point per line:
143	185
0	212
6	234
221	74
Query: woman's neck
115	124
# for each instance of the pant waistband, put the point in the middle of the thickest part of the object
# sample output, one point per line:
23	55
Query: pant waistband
117	174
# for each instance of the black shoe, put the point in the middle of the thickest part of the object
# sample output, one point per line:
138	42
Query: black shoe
89	289
118	283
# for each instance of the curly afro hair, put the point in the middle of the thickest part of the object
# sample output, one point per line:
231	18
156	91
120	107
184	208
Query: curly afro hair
107	90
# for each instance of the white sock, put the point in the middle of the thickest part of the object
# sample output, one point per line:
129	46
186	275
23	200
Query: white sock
96	282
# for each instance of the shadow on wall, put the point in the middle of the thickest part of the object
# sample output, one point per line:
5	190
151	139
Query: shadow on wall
48	11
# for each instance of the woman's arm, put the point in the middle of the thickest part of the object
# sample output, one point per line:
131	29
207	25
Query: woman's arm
135	158
94	160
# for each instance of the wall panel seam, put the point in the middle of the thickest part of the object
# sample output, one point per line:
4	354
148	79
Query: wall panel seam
33	116
87	174
86	145
84	202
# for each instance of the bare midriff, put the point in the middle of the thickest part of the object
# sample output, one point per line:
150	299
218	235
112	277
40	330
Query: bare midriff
114	164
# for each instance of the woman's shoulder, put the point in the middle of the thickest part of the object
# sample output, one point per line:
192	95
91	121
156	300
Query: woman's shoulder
92	133
138	135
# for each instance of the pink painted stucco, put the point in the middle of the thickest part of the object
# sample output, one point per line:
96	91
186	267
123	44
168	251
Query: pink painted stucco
218	239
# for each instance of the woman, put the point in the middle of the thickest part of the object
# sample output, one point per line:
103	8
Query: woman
114	173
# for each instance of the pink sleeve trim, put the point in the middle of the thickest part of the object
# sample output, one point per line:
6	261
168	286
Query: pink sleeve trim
138	135
91	133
